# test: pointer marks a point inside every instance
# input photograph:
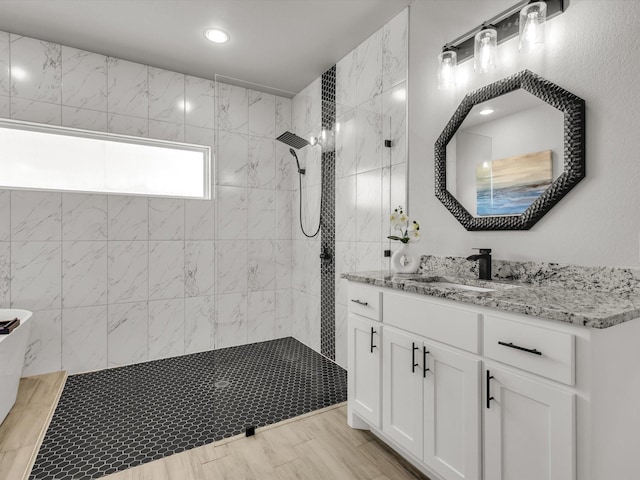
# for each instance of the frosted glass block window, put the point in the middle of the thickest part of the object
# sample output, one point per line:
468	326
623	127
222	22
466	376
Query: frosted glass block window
42	157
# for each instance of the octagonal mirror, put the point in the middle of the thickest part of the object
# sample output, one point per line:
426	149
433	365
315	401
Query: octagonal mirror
510	152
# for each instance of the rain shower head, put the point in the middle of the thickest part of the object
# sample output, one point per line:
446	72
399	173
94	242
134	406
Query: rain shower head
293	140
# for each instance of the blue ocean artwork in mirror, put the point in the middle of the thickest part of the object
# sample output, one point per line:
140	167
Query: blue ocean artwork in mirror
510	185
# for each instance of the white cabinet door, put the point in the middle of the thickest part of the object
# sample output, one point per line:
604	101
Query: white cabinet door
529	429
364	368
451	413
402	417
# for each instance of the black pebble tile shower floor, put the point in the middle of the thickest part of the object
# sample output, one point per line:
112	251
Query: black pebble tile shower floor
114	419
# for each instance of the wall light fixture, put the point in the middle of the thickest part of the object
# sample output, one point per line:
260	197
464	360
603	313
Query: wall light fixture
527	18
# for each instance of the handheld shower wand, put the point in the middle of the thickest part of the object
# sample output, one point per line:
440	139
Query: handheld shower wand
301	171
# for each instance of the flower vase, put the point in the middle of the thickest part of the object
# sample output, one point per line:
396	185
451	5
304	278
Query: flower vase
405	260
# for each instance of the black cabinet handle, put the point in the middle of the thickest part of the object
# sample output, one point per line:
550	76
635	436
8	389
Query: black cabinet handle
425	352
371	343
489	397
413	357
360	302
523	349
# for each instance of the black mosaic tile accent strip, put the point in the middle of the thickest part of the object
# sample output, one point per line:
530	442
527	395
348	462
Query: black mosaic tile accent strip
114	419
328	240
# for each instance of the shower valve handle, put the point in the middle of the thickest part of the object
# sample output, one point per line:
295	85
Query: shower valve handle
325	255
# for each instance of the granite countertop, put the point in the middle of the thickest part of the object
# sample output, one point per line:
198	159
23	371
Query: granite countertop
586	307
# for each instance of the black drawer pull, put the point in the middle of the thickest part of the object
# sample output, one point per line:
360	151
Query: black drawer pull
413	357
360	302
371	343
523	349
489	397
425	352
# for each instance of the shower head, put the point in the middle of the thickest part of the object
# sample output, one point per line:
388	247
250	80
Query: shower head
300	170
293	140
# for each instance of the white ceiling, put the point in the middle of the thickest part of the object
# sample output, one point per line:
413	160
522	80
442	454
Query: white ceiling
282	44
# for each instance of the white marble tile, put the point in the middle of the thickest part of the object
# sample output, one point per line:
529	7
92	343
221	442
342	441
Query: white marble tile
261	265
345	215
84	79
346	153
200	219
127	88
346	78
284	312
313	249
166	270
306	111
310	210
283	115
166	96
369	68
84	119
231	259
261	313
5	84
166	328
5	107
311	161
369	255
369	139
261	167
386	205
285	165
44	350
346	262
199	268
84	216
284	215
398	194
395	52
34	111
127	334
199	324
394	124
233	108
200	136
283	259
84	339
313	322
166	219
171	132
35	216
231	320
369	206
262	114
262	213
299	309
128	218
299	264
200	102
84	274
128	271
5	275
127	125
36	275
341	336
5	215
232	213
36	70
232	159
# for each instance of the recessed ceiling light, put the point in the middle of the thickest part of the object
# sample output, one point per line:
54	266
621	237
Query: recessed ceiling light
216	35
486	111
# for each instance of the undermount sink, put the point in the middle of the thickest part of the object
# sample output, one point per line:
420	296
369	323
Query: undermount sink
459	284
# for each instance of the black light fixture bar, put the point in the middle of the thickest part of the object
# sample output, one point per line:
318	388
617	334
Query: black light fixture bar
505	23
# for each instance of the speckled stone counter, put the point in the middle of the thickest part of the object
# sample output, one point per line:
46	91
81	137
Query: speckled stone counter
597	297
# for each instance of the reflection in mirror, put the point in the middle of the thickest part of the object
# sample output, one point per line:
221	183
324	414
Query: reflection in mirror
506	152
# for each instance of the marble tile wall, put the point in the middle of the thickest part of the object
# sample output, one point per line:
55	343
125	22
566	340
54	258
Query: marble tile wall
114	280
371	91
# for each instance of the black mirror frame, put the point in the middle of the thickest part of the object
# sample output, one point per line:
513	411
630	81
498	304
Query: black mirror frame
573	108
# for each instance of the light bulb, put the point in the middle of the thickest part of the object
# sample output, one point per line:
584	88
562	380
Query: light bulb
447	62
485	47
532	20
216	35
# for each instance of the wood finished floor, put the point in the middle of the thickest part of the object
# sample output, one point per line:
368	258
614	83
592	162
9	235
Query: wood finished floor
23	430
316	446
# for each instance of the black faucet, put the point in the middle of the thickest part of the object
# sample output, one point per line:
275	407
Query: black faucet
484	258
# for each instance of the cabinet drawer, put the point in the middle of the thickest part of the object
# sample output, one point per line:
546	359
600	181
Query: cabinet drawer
538	350
365	300
454	326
